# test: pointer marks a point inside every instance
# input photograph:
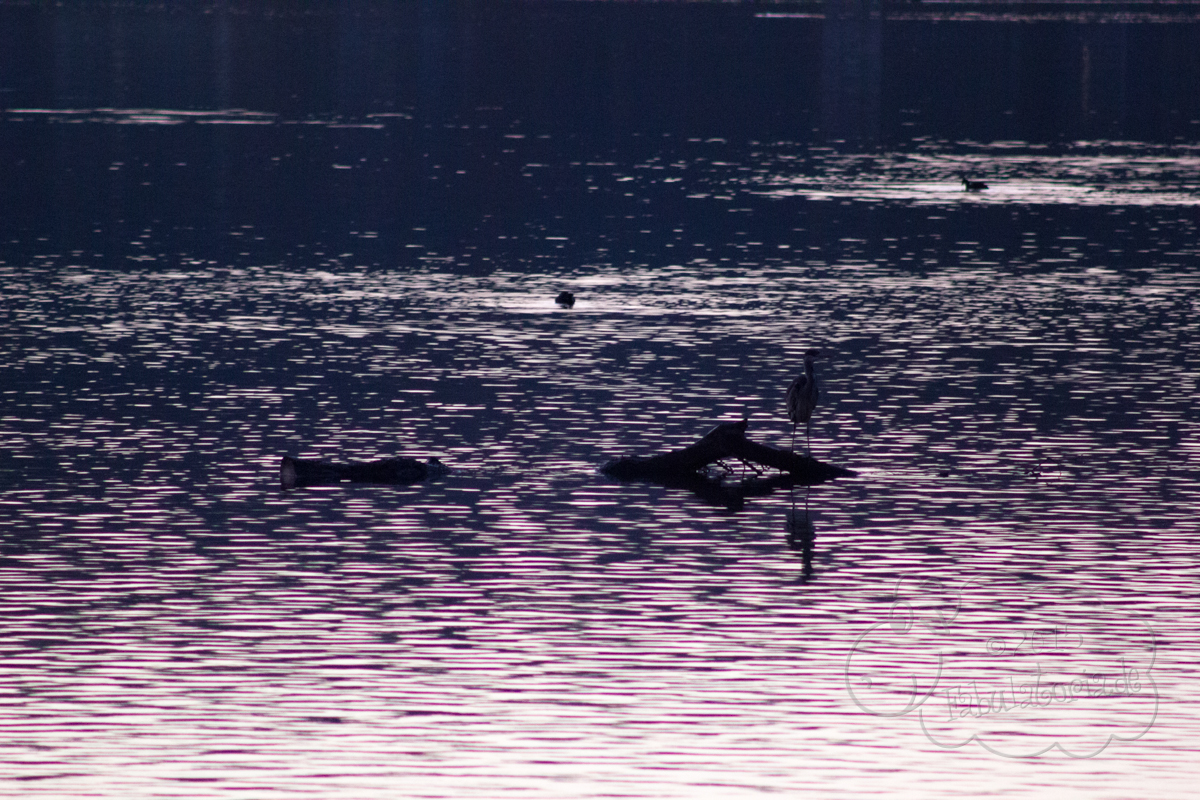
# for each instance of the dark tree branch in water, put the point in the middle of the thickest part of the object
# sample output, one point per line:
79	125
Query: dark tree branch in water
295	472
727	440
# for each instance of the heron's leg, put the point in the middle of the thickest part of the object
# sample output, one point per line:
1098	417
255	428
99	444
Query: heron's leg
808	436
793	437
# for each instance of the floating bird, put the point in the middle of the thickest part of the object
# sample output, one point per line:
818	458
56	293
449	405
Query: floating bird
565	299
802	399
972	186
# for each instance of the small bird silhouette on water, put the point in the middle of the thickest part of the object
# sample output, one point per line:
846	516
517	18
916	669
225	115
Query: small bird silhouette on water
802	399
565	299
973	186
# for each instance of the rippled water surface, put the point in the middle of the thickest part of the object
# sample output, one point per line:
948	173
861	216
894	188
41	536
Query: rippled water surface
1001	602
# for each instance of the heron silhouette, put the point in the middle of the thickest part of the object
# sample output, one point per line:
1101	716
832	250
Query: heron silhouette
802	399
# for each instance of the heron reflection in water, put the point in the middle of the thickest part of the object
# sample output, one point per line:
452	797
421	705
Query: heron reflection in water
802	399
801	534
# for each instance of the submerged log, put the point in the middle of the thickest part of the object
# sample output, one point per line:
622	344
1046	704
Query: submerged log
727	440
295	472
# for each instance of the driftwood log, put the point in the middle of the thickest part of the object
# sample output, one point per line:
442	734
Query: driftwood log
727	440
295	472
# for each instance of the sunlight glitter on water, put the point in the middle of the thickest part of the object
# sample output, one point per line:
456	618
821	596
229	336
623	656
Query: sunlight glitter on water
1129	176
126	116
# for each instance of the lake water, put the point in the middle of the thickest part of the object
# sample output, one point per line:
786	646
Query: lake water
232	233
